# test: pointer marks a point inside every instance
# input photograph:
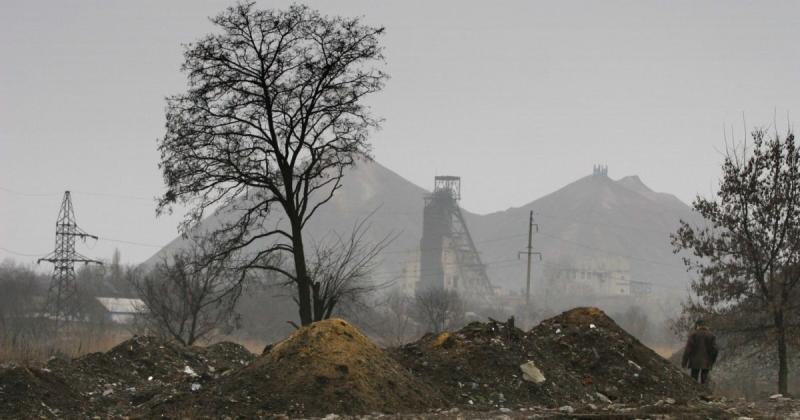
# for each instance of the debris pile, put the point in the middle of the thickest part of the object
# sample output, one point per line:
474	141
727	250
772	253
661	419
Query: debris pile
477	366
579	358
36	393
585	346
327	367
145	370
577	364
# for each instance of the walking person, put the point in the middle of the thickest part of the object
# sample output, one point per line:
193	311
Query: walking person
700	352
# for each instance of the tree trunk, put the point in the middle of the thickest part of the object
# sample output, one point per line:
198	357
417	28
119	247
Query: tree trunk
303	282
783	367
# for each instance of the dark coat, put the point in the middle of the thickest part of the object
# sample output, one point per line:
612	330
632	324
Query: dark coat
701	350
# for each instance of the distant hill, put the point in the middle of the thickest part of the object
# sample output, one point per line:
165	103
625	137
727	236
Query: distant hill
593	216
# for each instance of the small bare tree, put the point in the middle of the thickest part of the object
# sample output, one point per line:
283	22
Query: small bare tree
398	310
189	296
341	269
438	309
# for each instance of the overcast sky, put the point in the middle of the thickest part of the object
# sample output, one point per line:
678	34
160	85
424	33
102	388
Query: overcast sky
518	98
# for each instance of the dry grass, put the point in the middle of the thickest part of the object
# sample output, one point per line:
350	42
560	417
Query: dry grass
34	350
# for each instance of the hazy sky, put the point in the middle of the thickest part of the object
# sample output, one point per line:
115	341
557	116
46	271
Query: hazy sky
518	98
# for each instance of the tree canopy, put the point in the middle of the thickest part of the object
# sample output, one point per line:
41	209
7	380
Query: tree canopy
272	116
748	254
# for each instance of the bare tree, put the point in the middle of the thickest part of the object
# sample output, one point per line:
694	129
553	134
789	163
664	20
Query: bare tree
341	269
438	309
19	288
398	311
748	256
190	296
272	116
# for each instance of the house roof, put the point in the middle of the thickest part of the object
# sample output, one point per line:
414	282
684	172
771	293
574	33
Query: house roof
122	305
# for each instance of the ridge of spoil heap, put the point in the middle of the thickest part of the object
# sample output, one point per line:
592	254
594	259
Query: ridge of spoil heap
326	367
580	357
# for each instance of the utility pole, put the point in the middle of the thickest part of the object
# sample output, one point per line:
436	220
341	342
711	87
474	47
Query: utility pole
529	252
62	297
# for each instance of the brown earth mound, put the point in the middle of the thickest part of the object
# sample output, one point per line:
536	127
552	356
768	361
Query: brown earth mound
36	393
584	357
327	367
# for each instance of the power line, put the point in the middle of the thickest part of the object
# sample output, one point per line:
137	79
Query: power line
89	193
8	190
611	252
122	241
20	253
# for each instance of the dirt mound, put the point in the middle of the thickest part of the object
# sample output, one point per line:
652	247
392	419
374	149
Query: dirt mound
477	366
36	393
588	347
580	357
327	367
145	370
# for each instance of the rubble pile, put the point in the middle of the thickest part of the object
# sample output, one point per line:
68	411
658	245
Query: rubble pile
145	370
327	367
578	364
585	346
477	366
36	393
580	358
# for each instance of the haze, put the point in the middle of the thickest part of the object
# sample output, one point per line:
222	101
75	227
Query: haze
517	98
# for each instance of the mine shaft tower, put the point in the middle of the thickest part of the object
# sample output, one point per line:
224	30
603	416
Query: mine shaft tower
448	257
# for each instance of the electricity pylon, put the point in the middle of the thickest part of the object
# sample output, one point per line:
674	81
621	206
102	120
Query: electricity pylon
62	297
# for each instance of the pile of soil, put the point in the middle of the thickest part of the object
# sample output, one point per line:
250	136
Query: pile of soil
145	370
36	393
585	359
477	366
585	346
327	367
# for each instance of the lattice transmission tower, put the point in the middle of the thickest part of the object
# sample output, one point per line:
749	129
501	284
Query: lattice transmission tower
62	297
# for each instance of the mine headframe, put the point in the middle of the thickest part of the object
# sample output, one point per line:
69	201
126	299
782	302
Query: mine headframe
448	257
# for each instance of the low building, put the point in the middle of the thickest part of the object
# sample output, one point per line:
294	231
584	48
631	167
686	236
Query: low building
599	276
121	310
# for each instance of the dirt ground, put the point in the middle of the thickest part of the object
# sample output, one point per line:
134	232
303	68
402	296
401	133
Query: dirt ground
579	364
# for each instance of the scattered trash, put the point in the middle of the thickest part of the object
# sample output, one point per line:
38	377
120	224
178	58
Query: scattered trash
602	397
189	371
531	373
196	387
